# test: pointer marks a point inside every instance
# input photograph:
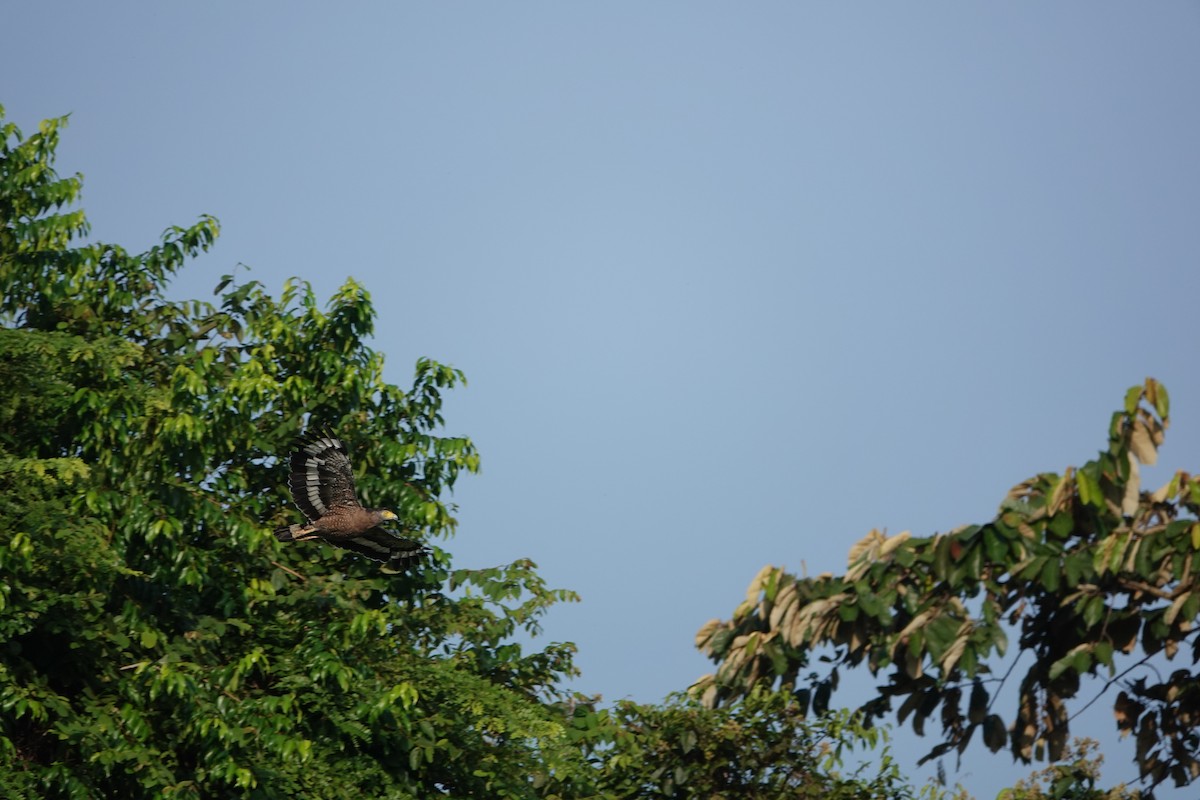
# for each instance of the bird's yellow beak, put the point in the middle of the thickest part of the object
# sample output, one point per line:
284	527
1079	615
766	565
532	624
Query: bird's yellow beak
388	515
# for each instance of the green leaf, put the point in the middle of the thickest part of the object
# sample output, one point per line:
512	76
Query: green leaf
1089	487
1061	525
1104	653
1051	574
1061	665
1162	402
1082	660
1076	566
1132	398
942	556
996	547
1034	567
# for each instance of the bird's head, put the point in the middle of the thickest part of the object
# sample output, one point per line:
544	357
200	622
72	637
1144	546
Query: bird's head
387	515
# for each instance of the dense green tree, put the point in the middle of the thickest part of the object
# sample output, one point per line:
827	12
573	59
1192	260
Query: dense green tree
154	638
761	746
1095	576
1074	777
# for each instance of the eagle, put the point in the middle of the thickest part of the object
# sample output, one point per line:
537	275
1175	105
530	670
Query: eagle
322	486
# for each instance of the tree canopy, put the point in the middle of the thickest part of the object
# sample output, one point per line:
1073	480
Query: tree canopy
155	635
1092	574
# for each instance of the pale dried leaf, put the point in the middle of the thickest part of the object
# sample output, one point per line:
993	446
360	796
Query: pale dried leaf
734	658
918	621
1063	492
1109	553
700	684
1171	613
1021	490
803	622
785	602
955	651
866	548
893	542
815	621
751	677
706	632
743	609
1131	555
756	585
1129	502
1141	443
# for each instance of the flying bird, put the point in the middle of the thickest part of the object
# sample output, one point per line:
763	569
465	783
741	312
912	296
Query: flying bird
322	486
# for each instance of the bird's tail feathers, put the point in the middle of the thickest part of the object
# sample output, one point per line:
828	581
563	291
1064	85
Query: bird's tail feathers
295	533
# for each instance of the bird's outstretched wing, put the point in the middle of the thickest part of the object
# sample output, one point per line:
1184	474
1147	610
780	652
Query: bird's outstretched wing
321	478
381	544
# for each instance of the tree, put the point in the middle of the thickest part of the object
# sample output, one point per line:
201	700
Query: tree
1073	778
1093	575
154	639
761	746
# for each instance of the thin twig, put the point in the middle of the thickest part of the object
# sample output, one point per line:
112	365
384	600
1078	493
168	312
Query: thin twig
996	695
290	571
1139	586
1108	685
1144	662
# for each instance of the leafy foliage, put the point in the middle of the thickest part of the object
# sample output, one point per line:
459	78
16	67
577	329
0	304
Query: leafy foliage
155	640
760	746
1085	567
1074	778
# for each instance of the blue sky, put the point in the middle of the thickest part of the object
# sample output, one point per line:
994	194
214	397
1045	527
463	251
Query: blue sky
732	284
